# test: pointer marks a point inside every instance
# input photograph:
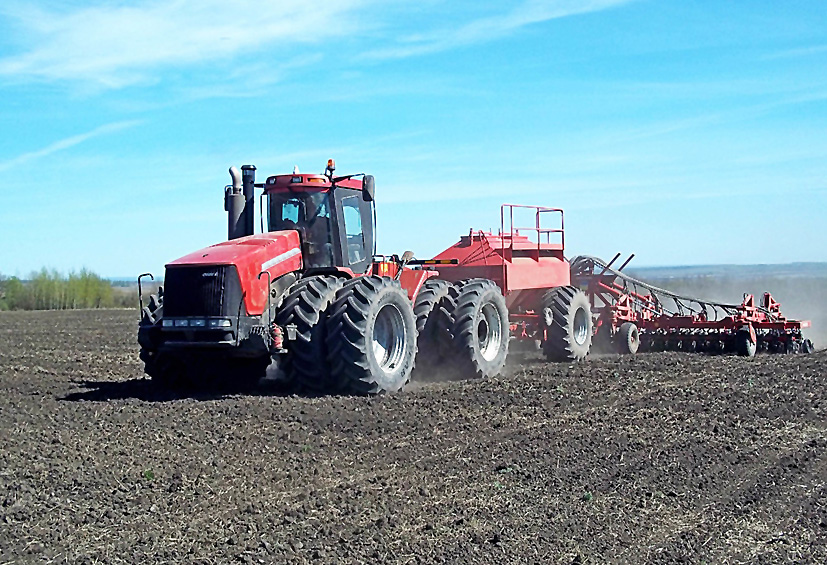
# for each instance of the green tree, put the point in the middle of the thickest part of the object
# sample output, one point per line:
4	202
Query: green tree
17	296
3	304
51	290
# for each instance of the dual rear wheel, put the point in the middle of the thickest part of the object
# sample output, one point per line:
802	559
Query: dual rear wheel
474	322
471	317
371	333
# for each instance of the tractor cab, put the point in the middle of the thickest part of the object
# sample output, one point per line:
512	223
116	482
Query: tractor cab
333	215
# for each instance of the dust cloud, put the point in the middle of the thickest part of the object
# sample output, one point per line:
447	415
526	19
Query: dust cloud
801	297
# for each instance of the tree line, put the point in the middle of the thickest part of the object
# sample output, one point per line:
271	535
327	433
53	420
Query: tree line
51	290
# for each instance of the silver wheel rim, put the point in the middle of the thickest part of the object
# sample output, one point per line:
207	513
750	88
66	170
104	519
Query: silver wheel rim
489	332
581	326
388	339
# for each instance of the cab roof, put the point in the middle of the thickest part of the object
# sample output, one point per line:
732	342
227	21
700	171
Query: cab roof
308	181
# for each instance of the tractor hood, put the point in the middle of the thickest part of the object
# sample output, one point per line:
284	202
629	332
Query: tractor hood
277	253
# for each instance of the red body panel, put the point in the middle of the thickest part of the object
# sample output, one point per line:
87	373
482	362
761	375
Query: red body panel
513	260
277	253
522	266
513	263
412	281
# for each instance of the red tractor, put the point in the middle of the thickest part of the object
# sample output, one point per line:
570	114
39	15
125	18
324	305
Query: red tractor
309	300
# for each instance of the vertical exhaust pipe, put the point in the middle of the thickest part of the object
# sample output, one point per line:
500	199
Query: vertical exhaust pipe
248	176
234	205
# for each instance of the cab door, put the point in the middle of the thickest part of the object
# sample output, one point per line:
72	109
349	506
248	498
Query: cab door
355	229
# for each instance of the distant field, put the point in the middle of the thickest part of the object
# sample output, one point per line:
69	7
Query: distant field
786	270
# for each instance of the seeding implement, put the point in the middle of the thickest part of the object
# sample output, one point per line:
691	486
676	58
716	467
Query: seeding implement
633	314
309	301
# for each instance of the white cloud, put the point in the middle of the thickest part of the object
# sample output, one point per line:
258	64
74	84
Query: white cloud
65	143
493	27
112	46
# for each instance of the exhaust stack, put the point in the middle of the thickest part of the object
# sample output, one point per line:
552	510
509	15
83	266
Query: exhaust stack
234	205
239	202
248	180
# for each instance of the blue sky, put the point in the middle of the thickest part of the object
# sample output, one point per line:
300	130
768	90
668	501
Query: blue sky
687	132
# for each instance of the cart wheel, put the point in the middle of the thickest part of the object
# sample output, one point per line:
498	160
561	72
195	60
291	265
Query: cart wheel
744	344
628	338
567	318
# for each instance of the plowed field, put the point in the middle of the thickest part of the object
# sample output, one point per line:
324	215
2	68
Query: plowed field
658	458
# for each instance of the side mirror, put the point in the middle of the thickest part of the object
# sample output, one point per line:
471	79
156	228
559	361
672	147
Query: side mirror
368	188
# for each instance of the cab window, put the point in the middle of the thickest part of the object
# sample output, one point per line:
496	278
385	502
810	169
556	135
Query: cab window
290	211
309	214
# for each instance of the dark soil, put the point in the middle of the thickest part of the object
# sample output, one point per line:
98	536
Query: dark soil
658	458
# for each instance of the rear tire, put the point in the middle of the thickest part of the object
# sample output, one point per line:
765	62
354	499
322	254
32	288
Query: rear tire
432	308
628	339
480	330
306	306
567	317
371	337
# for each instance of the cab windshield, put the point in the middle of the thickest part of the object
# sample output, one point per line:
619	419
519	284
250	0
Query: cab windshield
309	214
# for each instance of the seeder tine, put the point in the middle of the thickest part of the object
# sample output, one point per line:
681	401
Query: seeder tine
626	262
610	263
606	269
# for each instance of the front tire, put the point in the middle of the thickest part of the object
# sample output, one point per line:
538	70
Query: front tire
149	334
306	306
567	316
371	337
166	371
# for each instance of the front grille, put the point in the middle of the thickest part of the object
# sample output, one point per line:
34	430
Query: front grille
212	290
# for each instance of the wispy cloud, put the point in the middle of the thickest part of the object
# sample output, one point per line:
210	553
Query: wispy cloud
247	80
65	143
113	45
490	27
800	52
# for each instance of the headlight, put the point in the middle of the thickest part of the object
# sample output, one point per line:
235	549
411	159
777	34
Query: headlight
198	323
167	323
181	323
221	323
